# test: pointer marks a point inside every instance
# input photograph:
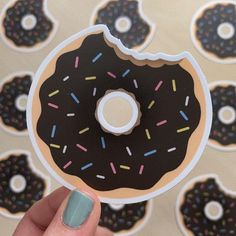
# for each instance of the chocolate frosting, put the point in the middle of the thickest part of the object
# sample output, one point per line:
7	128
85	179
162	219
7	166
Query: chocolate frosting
93	164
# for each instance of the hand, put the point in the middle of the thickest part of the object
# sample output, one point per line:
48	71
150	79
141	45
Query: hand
64	213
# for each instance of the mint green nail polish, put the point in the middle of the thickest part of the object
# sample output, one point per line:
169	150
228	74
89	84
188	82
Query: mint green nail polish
78	209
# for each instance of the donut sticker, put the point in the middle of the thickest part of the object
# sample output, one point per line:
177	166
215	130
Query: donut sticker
223	131
27	25
206	207
13	100
125	219
21	184
97	117
126	21
213	31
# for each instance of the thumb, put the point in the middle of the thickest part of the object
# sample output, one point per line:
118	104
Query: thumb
78	215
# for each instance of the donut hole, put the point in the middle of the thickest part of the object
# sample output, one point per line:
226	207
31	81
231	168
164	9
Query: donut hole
117	112
28	22
17	183
213	210
21	102
226	30
227	115
116	207
123	24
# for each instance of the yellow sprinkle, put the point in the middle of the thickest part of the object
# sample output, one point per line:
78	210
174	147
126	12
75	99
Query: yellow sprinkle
148	134
151	104
124	167
54	145
84	130
174	85
183	129
53	93
91	78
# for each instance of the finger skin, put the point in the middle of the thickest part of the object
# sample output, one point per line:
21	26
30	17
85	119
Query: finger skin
40	215
103	232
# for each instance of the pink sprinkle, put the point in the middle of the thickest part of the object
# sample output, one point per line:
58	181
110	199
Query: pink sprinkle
162	122
53	105
113	168
77	62
67	164
159	85
141	169
81	147
111	74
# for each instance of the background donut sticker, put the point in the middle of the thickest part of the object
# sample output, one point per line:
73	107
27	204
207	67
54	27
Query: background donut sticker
21	185
14	91
97	117
125	219
206	207
213	31
223	131
126	21
27	25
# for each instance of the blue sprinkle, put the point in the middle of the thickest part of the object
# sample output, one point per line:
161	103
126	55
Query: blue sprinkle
150	153
74	98
103	143
54	127
97	57
183	115
125	73
87	166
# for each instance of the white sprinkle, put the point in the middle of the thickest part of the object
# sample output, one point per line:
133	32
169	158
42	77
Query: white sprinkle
135	83
171	149
100	176
66	78
186	101
128	150
70	114
94	92
64	149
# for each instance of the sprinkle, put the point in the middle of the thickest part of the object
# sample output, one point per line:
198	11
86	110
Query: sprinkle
161	123
174	85
151	104
91	78
67	164
186	101
97	57
53	93
84	130
128	150
124	167
113	168
141	169
100	176
158	85
103	142
66	78
64	149
125	73
86	166
53	105
54	145
150	153
94	92
183	115
77	62
147	134
111	74
135	83
53	131
74	98
183	129
81	147
70	114
171	149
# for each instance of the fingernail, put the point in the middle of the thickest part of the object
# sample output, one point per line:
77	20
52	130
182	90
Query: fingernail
78	209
